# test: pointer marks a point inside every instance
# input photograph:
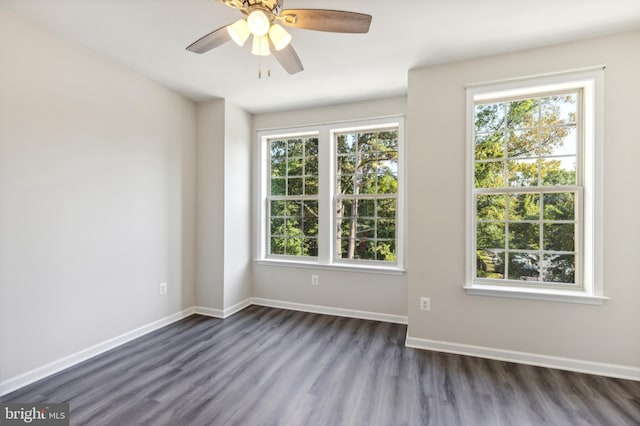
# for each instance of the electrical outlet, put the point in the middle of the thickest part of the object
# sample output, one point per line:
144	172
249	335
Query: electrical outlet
425	303
163	288
314	280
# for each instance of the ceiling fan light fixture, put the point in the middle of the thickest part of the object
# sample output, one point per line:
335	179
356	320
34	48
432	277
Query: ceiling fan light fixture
239	32
260	46
258	22
279	36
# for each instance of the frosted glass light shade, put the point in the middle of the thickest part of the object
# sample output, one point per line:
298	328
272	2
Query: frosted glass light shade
260	46
258	22
239	32
279	36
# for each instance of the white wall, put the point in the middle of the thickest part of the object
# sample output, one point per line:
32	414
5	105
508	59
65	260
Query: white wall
436	118
224	205
237	206
210	204
97	201
371	292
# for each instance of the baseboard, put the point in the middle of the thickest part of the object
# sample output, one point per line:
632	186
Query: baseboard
220	313
36	374
327	310
580	366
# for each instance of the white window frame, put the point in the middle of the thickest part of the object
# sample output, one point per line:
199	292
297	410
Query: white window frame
589	274
326	258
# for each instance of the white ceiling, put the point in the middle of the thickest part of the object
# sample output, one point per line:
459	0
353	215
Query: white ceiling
150	36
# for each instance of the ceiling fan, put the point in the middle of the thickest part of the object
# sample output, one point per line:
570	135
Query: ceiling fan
263	19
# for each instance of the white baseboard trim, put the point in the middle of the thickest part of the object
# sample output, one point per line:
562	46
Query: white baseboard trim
220	313
209	312
36	374
580	366
327	310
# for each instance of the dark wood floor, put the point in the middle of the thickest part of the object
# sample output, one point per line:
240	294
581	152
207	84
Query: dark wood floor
267	366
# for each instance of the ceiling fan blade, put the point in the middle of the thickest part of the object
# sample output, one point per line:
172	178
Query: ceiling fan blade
335	21
288	58
210	41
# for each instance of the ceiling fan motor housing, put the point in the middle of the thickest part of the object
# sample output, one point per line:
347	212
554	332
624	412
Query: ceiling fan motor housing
273	5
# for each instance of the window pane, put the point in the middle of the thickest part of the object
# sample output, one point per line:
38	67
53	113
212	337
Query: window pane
386	229
346	164
343	207
523	114
559	141
524	207
559	171
277	245
523	143
278	186
559	206
310	218
311	147
294	208
387	184
311	166
557	110
294	246
491	207
559	268
489	117
346	143
345	184
310	246
524	266
386	208
524	236
367	182
343	226
366	208
386	250
366	228
277	227
278	149
294	186
559	236
278	166
489	146
311	186
294	148
294	167
489	174
490	264
523	173
388	141
365	249
366	142
277	208
490	235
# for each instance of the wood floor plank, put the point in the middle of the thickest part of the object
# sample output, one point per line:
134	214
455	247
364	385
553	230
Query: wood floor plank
266	366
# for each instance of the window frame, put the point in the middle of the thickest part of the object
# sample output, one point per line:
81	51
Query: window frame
588	187
326	258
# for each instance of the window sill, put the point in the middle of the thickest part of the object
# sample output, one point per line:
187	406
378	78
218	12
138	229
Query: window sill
566	296
371	269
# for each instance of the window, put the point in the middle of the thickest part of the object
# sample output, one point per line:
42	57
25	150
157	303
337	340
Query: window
366	192
331	196
293	196
532	189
